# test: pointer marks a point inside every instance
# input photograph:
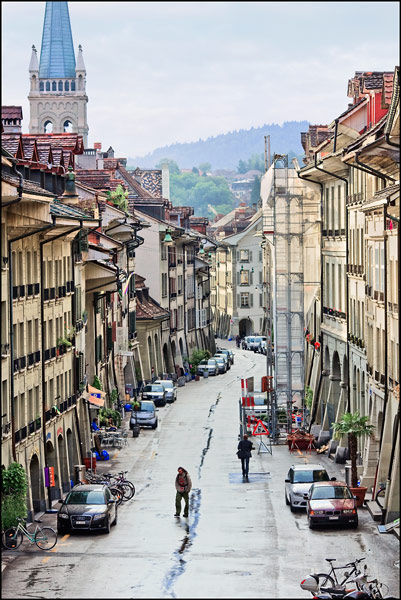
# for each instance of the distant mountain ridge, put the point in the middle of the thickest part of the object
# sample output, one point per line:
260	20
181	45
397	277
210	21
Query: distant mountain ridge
226	150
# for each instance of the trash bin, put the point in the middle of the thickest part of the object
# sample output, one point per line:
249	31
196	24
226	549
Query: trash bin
135	430
79	471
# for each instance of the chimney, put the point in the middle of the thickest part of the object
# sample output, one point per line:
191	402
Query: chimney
165	181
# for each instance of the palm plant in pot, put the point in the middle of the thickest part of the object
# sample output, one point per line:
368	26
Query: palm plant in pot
356	427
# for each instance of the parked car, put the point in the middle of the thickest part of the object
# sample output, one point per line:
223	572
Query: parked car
262	347
145	415
254	345
208	365
247	341
156	393
228	353
87	507
299	480
221	362
169	389
331	502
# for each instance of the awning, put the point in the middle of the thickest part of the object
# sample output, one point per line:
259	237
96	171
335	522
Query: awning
96	401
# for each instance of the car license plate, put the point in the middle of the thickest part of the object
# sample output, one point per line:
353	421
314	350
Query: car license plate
80	522
332	518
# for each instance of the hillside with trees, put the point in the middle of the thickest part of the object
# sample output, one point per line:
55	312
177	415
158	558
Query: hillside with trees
226	150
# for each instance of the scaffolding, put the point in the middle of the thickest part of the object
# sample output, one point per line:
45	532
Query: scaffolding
287	295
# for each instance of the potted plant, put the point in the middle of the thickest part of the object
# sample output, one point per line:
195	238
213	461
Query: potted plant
355	426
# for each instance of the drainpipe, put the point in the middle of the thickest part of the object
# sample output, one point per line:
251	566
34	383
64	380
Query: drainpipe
371	170
346	279
19	189
41	244
11	323
335	135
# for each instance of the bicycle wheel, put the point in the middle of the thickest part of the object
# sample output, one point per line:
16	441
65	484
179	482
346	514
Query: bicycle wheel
380	497
131	485
12	538
325	580
127	490
45	538
118	494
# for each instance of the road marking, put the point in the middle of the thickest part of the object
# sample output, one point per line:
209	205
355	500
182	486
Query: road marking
44	560
65	537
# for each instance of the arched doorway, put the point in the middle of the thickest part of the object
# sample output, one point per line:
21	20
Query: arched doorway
166	359
72	454
51	459
35	475
62	456
245	327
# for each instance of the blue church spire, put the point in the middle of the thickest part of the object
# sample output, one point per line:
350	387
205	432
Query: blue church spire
57	58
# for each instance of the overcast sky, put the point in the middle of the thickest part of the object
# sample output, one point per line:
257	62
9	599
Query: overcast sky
166	72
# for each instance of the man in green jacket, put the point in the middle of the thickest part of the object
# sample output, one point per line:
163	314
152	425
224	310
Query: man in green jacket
183	485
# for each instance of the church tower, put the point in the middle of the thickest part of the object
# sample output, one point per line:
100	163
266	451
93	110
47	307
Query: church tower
57	98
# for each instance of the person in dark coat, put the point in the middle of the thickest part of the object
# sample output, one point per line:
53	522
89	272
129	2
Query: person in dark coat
244	448
183	485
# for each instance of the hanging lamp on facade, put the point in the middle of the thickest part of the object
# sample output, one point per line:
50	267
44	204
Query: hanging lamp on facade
167	238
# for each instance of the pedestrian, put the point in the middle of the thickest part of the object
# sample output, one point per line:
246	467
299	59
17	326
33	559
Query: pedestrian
94	425
183	485
244	453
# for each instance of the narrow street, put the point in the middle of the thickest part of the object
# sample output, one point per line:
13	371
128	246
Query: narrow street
240	540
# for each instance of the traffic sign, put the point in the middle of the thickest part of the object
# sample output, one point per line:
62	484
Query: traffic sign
260	429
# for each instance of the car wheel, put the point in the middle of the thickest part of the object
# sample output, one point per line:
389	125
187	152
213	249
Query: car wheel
154	426
354	525
286	500
115	519
292	508
108	525
62	530
311	524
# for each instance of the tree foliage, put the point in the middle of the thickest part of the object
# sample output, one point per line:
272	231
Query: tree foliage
355	426
119	198
189	189
172	165
13	498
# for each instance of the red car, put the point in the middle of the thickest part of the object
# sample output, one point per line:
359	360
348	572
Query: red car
331	503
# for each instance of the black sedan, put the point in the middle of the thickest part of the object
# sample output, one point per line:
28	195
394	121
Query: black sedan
87	507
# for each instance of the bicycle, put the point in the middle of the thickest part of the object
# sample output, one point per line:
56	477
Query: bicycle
44	537
105	479
381	492
330	579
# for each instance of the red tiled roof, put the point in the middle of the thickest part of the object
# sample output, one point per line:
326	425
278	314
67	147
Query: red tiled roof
146	307
11	112
67	141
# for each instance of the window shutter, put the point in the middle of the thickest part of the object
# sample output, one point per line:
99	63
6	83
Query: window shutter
251	299
250	255
239	299
238	255
109	338
238	277
251	274
260	276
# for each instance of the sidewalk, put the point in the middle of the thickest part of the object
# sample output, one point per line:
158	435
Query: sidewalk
49	519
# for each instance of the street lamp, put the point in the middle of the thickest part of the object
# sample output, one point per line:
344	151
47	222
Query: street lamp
168	240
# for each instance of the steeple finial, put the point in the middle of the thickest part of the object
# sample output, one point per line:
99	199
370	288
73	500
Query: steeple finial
80	60
34	65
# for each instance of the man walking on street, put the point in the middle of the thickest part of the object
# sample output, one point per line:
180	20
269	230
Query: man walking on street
244	453
183	485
